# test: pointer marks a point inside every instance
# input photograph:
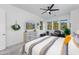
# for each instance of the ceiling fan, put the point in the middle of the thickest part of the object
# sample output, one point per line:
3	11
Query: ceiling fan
49	9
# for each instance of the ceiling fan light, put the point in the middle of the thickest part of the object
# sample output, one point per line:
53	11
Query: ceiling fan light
48	11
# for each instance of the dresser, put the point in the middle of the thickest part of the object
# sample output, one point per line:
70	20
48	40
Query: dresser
29	36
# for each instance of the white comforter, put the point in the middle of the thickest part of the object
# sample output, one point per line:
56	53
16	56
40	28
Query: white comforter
30	43
54	49
36	50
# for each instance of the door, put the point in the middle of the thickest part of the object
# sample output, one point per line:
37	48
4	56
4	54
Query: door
2	30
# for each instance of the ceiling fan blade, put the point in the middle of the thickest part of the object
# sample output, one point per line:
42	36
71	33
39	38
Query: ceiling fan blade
42	9
54	9
51	6
44	12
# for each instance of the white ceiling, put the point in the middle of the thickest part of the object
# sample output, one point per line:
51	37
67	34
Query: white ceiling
35	9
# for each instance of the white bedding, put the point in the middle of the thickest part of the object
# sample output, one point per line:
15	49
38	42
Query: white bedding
73	50
36	50
54	49
30	43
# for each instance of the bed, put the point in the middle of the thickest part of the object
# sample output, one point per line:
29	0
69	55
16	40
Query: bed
47	45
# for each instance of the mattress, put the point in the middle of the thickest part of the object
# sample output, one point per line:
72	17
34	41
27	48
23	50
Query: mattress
47	45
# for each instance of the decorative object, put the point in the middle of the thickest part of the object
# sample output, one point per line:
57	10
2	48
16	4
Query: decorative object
67	31
30	26
15	26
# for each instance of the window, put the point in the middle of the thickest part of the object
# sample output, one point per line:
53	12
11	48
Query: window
49	26
63	26
55	25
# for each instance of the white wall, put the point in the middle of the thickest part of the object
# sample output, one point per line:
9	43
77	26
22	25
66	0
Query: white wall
60	17
75	20
13	14
2	30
